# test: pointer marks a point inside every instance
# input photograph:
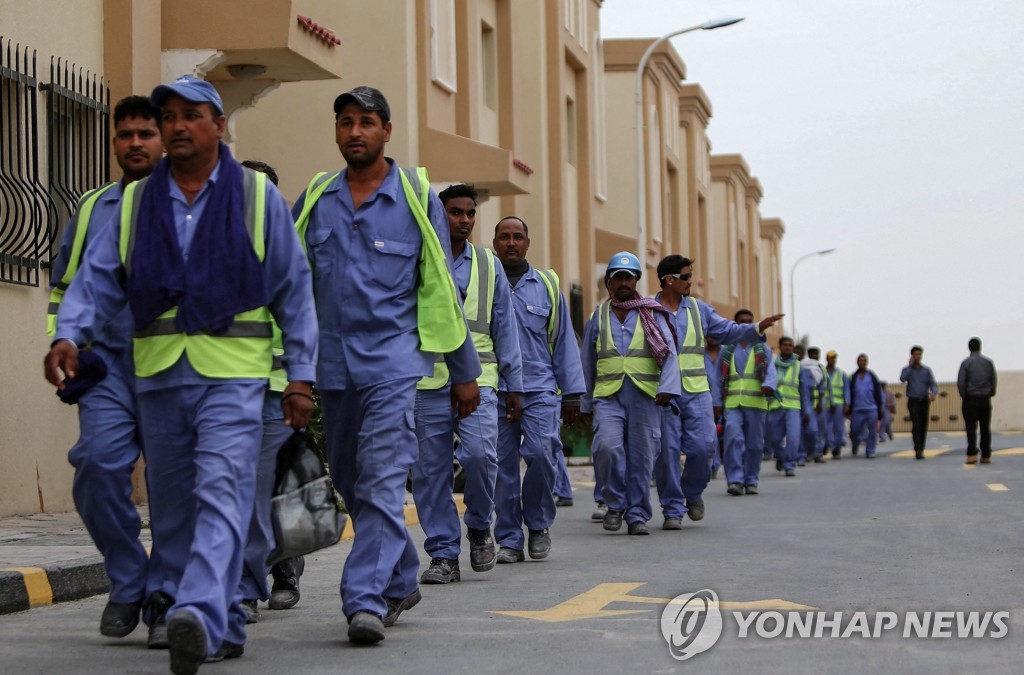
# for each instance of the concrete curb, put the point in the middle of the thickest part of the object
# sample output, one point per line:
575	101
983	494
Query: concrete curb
22	588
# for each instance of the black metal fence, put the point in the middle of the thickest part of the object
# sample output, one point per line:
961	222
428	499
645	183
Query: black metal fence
33	211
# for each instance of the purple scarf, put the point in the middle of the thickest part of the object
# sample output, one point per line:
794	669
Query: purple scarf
646	307
223	276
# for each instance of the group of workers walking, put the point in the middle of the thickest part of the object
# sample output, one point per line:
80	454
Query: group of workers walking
191	314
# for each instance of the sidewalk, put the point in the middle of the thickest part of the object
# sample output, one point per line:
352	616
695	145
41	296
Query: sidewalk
48	558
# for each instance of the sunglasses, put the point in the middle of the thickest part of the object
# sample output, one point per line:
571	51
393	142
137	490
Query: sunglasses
681	277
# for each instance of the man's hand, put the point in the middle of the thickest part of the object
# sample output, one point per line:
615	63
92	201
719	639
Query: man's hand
570	413
297	404
465	398
768	322
663	400
62	359
931	397
846	410
513	407
767	391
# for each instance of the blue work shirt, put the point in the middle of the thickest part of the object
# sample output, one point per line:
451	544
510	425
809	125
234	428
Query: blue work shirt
545	369
622	335
99	289
504	333
116	335
712	368
865	392
807	387
365	275
739	361
920	381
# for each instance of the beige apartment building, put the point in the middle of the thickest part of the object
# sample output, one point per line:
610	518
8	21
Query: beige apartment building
520	97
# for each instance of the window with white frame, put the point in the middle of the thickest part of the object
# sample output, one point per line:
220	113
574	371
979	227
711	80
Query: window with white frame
442	44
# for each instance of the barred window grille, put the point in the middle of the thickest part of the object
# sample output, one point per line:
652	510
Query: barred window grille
33	209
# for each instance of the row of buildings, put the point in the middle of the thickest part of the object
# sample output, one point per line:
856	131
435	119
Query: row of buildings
523	98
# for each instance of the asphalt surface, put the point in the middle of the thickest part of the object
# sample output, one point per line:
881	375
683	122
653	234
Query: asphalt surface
885	535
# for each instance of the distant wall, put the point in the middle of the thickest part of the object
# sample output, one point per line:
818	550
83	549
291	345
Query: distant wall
1007	406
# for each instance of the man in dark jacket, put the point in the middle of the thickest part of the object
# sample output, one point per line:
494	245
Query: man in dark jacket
977	385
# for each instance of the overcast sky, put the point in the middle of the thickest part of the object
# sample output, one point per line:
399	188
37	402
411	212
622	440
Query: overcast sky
889	129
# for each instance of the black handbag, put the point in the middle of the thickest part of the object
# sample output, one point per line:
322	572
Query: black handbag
304	509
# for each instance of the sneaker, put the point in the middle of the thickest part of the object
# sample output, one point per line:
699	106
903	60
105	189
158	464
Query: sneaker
735	489
613	520
507	556
598	515
672	524
227	650
159	602
441	571
285	592
396	607
751	489
695	510
481	550
365	628
120	619
252	613
638	528
563	501
539	544
186	636
790	473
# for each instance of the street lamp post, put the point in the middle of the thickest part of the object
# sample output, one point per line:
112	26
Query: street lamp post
641	229
792	292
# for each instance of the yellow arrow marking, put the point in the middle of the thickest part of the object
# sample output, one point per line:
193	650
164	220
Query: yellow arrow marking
1008	452
591	604
996	487
909	454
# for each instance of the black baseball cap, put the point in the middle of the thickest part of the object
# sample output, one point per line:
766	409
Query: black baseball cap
366	98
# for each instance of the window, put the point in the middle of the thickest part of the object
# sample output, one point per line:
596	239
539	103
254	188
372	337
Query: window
489	66
442	44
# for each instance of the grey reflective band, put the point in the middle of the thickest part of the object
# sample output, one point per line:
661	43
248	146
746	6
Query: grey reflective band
641	377
733	378
481	323
479	327
277	363
692	350
603	351
52	308
694	372
694	314
239	329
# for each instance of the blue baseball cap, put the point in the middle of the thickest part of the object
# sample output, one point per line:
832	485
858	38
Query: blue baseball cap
189	88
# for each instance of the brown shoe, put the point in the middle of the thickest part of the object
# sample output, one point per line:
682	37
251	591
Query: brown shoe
971	459
986	460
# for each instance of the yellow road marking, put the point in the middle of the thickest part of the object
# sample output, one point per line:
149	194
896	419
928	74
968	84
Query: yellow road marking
37	585
996	487
585	483
590	605
970	466
909	454
1008	452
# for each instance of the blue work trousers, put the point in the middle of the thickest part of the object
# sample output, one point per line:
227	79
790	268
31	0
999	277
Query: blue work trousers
667	469
744	445
836	428
432	474
864	429
783	435
529	502
700	443
202	445
563	486
627	425
371	445
261	530
103	458
885	426
809	448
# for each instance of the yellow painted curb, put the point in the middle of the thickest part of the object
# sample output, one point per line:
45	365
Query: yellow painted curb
411	517
37	585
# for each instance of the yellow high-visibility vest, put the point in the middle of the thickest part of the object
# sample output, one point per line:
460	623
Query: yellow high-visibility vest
612	367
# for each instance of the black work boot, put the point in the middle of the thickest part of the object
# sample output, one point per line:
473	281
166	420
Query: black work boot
481	550
285	592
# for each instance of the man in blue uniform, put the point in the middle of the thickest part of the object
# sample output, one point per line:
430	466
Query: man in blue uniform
488	304
712	350
748	379
108	445
551	364
204	254
837	389
631	369
693	431
784	416
865	407
365	229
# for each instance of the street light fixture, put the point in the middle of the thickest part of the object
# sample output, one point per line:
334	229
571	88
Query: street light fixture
792	293
641	229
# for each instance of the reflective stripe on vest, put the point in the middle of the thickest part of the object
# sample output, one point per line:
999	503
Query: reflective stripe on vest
691	355
836	395
478	317
244	349
745	390
550	280
789	388
79	227
613	366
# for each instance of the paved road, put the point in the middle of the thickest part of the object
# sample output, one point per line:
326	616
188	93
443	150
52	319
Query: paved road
887	535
